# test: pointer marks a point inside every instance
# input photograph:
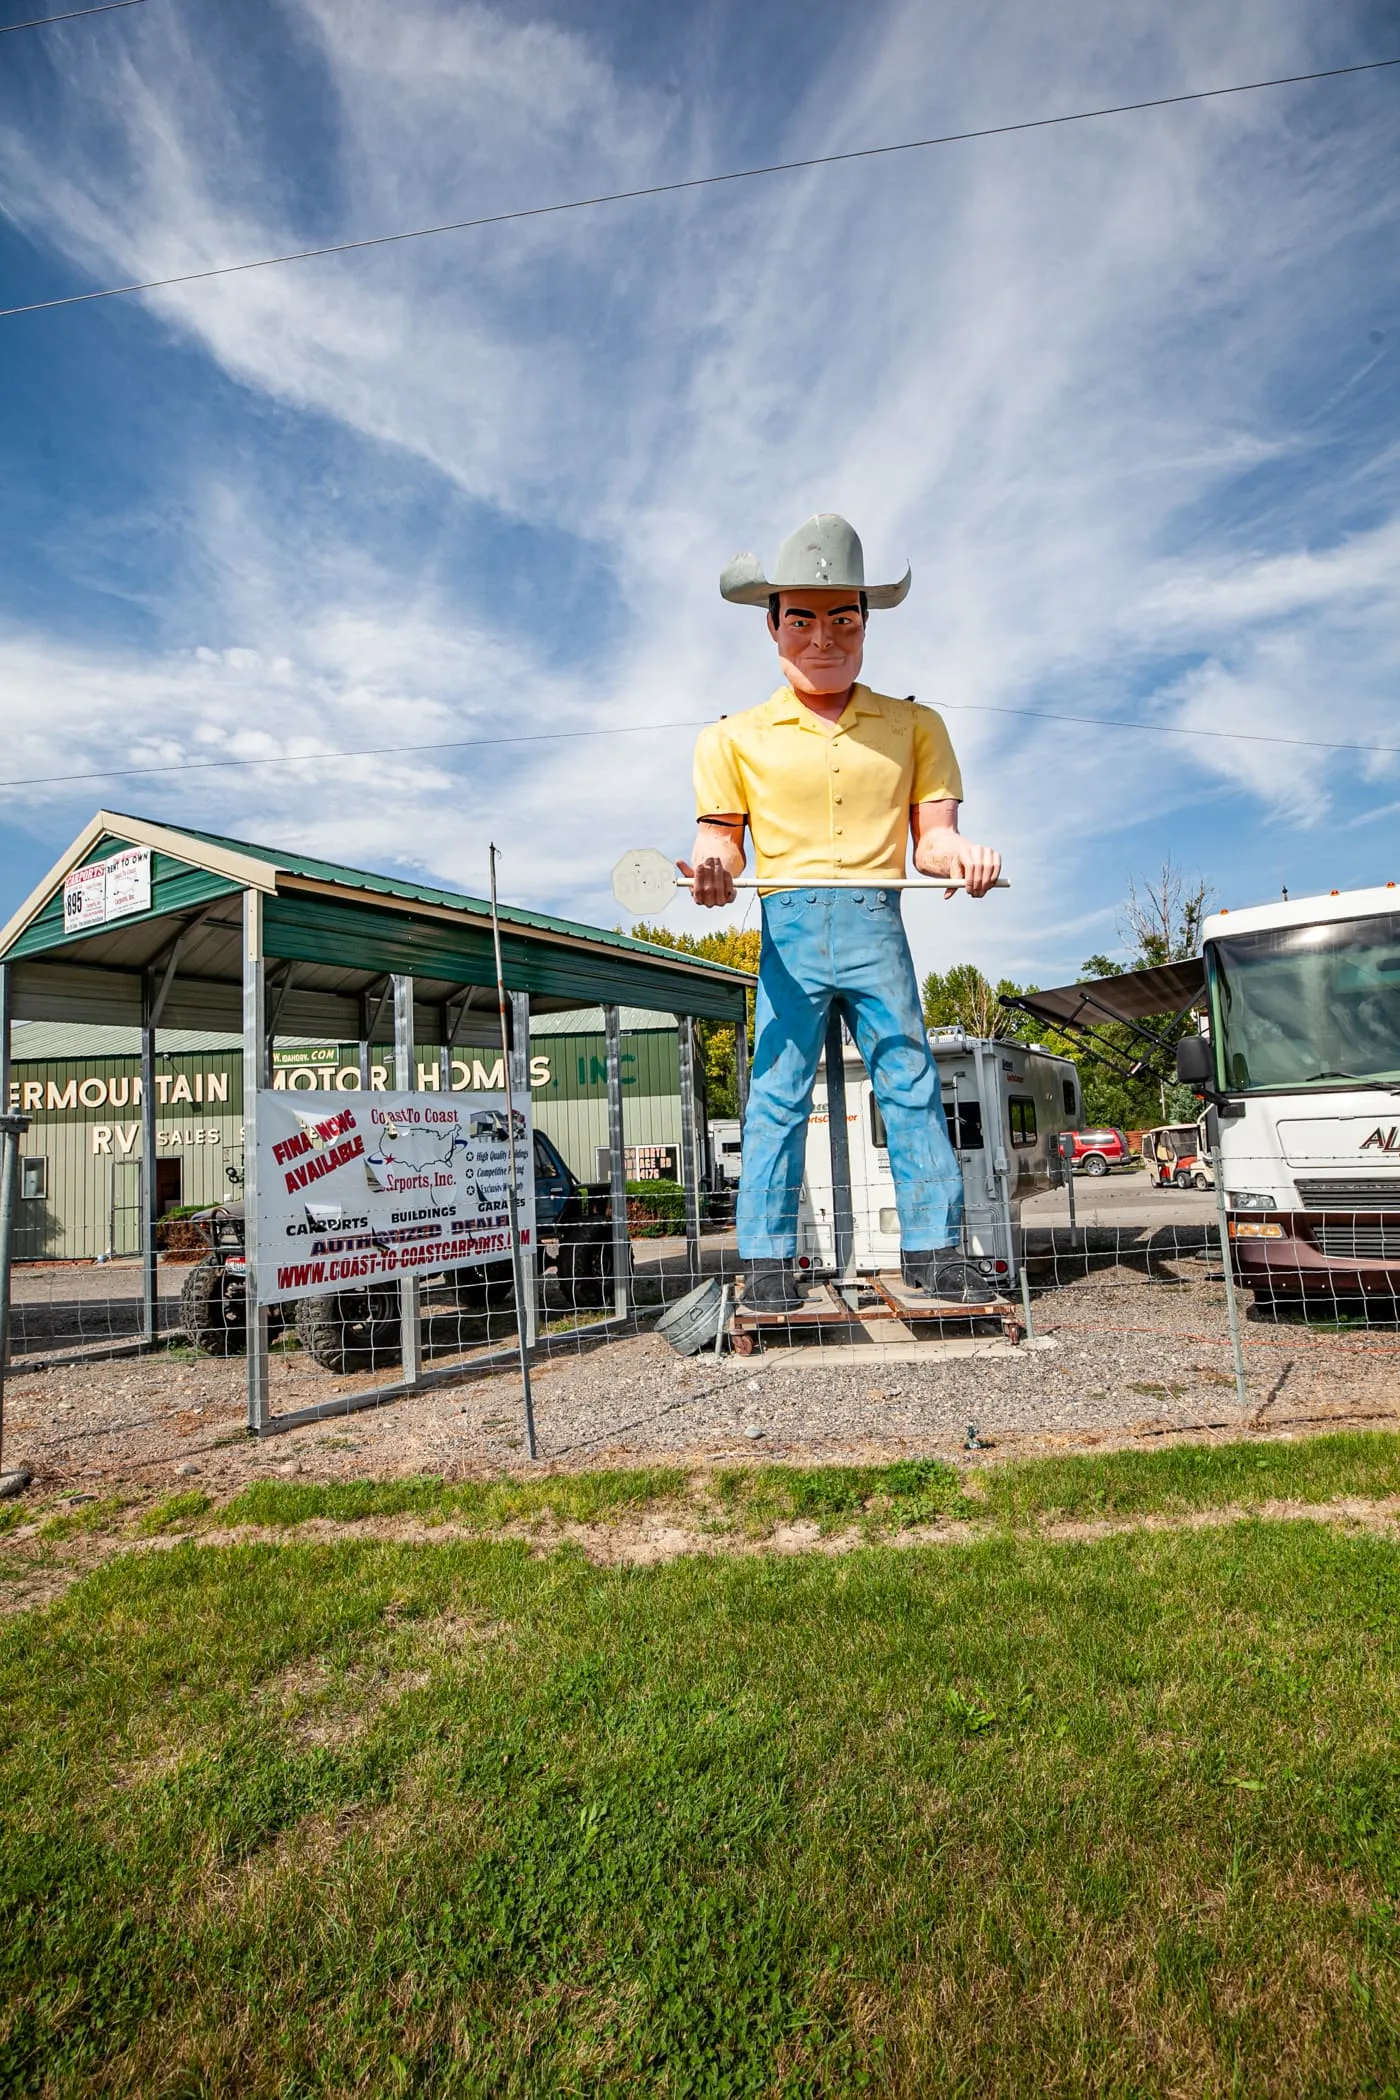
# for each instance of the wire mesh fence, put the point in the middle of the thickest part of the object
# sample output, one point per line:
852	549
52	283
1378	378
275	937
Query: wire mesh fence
1112	1320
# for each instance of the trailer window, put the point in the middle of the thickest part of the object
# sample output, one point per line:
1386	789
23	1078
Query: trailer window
964	1120
1067	1092
1022	1119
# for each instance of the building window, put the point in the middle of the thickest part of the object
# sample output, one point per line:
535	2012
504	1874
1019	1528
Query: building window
34	1178
1022	1119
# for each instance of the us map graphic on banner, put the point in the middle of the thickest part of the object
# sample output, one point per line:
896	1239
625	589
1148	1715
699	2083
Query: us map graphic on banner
386	1185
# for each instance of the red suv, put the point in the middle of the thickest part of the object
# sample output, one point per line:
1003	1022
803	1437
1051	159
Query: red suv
1095	1151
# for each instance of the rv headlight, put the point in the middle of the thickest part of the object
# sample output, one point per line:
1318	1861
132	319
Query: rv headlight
1255	1229
1249	1199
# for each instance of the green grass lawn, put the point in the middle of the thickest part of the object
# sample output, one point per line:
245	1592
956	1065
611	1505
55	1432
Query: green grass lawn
1117	1816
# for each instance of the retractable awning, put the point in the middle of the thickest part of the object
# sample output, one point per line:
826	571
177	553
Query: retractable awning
1138	996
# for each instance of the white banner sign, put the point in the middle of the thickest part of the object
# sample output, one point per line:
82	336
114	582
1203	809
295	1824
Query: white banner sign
107	889
387	1185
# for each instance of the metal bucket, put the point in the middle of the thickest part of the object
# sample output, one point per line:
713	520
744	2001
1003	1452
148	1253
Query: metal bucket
692	1324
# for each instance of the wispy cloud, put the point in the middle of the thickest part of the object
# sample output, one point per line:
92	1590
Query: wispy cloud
1101	386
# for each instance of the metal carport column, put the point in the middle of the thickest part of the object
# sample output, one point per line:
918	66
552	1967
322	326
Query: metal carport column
255	1076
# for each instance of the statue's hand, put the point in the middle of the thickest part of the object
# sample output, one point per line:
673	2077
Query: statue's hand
949	853
710	880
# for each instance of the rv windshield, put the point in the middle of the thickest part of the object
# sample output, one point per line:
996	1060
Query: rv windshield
1309	1005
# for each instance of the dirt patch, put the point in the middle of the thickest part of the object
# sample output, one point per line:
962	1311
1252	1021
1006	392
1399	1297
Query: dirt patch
329	1710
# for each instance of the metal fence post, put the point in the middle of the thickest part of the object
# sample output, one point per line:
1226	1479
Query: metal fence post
1065	1141
617	1160
1232	1310
12	1129
150	1278
843	1220
690	1159
405	1079
255	1077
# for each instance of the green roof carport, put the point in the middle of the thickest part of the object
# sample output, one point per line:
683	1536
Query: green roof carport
248	937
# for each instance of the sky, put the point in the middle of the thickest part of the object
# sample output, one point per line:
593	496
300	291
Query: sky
1126	394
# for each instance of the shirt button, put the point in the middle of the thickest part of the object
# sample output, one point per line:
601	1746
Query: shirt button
880	898
838	798
838	831
858	896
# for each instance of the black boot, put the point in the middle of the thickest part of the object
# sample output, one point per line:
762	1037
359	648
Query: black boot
770	1286
944	1275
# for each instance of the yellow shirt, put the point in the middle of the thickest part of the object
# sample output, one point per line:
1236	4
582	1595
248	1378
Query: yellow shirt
822	802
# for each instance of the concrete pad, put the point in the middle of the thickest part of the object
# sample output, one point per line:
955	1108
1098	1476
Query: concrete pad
854	1353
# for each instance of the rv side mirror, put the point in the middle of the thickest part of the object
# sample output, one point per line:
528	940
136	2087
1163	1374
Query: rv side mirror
1195	1064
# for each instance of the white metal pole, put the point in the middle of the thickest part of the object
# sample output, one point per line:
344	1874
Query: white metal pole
685	1046
518	1066
405	1079
150	1279
255	1077
522	1316
1232	1310
617	1160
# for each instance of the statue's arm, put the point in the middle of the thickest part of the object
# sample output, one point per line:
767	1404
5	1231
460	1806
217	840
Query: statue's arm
718	856
941	849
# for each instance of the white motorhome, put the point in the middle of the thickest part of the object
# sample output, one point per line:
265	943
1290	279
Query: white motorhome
1303	1060
726	1149
1005	1105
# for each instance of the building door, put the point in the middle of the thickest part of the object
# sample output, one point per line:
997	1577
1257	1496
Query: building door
168	1181
124	1208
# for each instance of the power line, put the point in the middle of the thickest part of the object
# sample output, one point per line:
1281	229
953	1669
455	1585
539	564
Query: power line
554	736
693	182
75	15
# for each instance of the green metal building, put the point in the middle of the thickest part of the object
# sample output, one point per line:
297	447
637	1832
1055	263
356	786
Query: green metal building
81	1173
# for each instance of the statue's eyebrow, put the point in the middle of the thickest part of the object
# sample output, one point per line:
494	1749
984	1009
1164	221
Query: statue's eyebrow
804	612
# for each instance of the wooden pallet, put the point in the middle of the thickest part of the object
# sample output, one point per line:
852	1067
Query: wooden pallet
882	1306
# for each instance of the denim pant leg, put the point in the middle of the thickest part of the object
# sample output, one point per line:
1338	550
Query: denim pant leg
881	994
790	1015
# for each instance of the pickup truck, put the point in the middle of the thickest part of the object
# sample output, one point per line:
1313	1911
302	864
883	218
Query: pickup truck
359	1330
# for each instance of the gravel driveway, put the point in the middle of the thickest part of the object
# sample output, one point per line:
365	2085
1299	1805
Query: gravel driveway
1123	1353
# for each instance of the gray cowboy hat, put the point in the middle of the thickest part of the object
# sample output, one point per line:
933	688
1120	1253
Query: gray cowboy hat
824	554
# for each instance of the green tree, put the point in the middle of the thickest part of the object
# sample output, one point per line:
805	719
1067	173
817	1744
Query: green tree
738	947
1160	922
963	997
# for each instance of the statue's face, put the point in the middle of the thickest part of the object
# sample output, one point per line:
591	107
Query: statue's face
821	639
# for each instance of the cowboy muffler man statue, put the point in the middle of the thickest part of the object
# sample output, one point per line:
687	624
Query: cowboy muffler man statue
831	778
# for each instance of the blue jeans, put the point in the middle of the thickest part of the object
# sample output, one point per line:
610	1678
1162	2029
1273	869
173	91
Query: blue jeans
821	946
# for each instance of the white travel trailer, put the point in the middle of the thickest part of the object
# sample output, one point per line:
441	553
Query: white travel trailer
1006	1106
1303	1066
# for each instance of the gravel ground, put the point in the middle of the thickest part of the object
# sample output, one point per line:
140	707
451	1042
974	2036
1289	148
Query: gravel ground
1117	1359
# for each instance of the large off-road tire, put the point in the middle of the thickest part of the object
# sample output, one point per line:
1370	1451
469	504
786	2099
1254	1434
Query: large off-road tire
214	1309
487	1290
352	1330
586	1266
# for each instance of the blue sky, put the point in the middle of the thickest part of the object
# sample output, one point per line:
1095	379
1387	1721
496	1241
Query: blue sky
1126	395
